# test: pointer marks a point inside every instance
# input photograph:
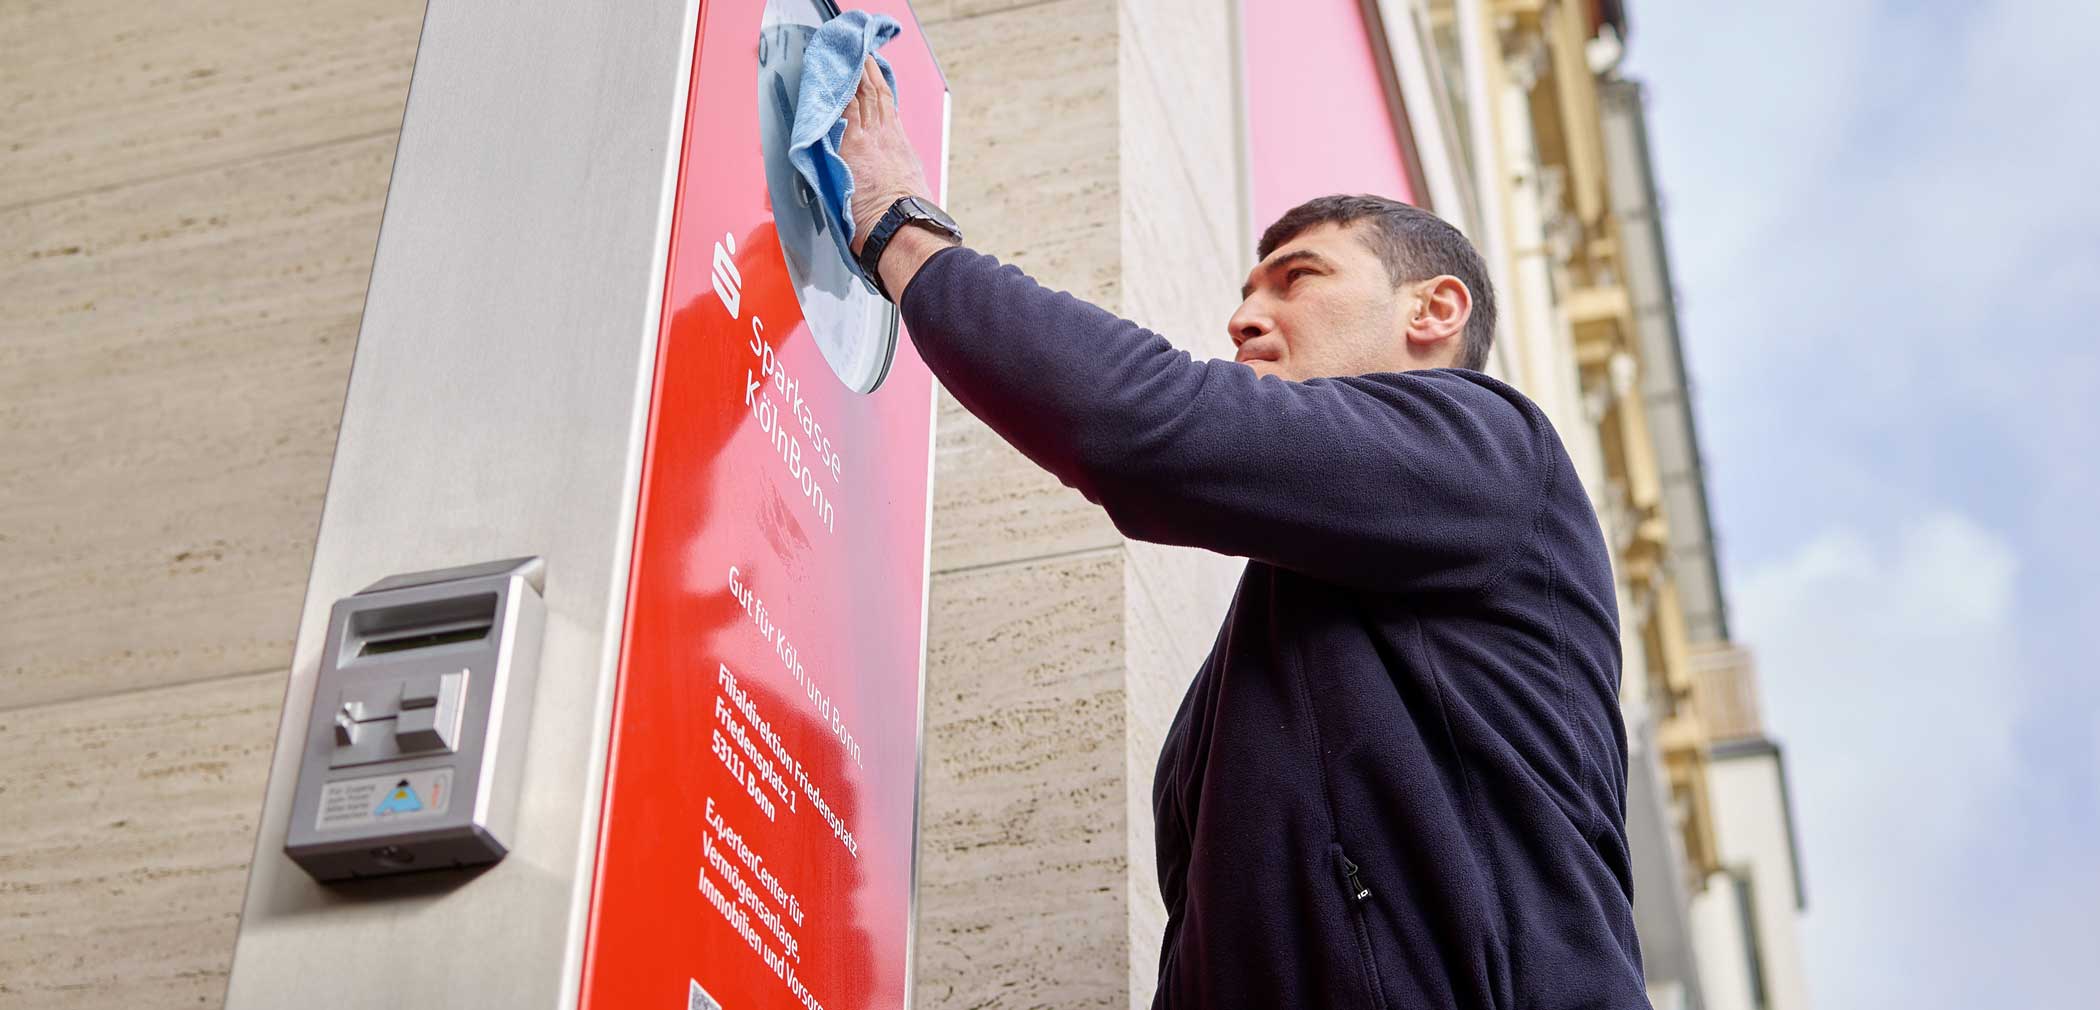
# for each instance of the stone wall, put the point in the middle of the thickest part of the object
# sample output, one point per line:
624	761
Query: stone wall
190	194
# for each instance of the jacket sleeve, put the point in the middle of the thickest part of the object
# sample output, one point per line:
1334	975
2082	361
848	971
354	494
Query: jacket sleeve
1409	481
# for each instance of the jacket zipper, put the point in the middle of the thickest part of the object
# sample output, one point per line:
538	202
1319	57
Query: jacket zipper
1357	891
1353	881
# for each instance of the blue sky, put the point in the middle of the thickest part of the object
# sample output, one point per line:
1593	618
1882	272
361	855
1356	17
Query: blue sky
1885	222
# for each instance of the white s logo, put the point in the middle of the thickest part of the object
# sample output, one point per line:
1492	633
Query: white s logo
729	284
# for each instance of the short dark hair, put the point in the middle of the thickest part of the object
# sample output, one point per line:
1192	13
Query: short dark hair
1414	245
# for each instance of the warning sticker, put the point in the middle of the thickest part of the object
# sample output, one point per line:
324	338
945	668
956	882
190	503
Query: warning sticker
400	796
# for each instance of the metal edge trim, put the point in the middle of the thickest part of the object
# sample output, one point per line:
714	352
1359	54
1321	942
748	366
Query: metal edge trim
501	702
613	650
1243	141
918	789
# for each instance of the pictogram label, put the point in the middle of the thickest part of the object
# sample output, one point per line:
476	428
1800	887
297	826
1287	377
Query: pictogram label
401	801
374	798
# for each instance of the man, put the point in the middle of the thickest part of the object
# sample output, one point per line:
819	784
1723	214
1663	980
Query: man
1398	780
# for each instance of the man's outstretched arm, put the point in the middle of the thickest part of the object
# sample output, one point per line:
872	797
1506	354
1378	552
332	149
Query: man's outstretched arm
1400	481
1413	480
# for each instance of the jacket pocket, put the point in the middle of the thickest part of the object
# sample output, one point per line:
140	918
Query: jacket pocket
1356	896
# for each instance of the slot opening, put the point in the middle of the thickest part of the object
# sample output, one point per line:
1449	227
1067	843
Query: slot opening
423	625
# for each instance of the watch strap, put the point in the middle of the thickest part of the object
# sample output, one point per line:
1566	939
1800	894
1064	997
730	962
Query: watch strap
879	240
908	210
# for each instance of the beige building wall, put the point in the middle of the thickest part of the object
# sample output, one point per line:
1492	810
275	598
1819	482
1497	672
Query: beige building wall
190	195
189	198
1757	846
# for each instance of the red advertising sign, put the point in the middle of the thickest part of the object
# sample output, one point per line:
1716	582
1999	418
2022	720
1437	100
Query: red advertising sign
756	847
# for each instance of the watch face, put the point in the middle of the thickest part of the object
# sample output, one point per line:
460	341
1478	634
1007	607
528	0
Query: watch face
854	327
937	215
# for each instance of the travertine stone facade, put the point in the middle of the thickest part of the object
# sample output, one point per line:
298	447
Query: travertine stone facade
190	195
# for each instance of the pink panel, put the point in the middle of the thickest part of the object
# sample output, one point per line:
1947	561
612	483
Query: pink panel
1316	111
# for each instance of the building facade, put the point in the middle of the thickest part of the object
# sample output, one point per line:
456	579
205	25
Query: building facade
189	199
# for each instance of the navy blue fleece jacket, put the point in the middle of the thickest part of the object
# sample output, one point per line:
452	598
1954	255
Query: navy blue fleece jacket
1398	780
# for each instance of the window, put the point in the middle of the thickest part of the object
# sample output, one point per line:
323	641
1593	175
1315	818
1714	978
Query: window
1753	954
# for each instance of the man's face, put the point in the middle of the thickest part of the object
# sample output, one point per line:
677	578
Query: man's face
1322	304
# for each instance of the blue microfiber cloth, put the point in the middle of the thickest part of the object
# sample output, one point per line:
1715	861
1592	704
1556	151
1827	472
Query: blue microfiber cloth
831	71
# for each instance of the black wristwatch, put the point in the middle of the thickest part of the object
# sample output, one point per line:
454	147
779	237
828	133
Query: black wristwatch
910	210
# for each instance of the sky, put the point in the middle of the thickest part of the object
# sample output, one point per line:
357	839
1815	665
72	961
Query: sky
1884	220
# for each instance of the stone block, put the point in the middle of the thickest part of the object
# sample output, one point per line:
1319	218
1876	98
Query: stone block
171	376
123	864
1022	861
99	93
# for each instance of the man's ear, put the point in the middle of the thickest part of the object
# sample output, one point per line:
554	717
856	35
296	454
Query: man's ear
1440	315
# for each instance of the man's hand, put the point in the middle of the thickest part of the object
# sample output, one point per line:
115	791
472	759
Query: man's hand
885	168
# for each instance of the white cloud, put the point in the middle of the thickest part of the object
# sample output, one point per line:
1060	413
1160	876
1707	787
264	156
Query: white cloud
1892	670
1889	198
1885	665
1761	81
